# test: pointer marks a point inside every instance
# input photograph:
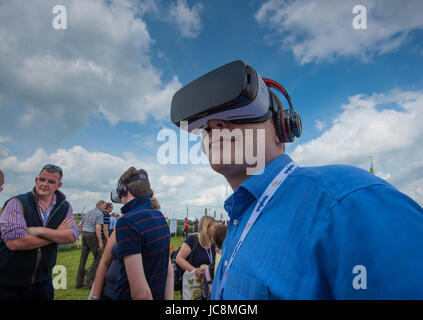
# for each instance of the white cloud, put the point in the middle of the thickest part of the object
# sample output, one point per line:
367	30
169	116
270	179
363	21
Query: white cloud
208	197
367	127
186	19
58	79
90	176
172	181
3	150
323	30
320	125
85	174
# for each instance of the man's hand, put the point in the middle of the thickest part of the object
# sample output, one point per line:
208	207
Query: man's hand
100	246
65	225
36	231
39	231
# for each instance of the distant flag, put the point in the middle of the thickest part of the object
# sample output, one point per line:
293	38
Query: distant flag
371	166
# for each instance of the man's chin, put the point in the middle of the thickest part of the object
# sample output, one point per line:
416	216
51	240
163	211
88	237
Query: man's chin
228	169
43	193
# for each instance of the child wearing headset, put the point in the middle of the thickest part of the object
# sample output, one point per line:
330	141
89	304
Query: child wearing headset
143	241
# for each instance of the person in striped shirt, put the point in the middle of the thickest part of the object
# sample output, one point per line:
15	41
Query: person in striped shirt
143	239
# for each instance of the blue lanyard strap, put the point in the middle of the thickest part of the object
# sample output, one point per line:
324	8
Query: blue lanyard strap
258	209
210	254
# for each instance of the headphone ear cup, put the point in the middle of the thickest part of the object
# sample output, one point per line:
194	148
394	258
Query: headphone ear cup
279	126
296	125
287	125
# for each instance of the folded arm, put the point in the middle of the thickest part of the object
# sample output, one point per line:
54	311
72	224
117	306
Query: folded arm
65	233
18	236
28	242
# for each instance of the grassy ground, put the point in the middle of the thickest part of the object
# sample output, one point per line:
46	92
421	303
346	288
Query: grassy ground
70	260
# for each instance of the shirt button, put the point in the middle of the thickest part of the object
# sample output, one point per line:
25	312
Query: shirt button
235	222
225	263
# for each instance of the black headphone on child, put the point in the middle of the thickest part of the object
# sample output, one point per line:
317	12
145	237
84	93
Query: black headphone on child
287	122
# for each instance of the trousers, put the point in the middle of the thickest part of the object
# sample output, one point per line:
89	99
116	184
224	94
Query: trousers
89	244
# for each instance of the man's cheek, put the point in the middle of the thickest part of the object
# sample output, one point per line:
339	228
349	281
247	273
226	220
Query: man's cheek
205	143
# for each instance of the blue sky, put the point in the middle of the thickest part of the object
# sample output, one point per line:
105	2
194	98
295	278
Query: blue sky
93	97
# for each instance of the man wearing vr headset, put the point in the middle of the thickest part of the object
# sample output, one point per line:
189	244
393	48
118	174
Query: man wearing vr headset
330	232
31	226
143	239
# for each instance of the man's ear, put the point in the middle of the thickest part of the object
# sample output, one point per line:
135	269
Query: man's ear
60	184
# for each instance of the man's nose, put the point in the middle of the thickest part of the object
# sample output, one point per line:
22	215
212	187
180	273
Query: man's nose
218	124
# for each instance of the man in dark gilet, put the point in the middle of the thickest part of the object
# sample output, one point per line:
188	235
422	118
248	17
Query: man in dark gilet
31	226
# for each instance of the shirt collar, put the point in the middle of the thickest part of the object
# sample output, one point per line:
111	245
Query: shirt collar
256	184
252	188
143	201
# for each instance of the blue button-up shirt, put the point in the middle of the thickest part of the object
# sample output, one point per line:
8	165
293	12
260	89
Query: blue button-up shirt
330	232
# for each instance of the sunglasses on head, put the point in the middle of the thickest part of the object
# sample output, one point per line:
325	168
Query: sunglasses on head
54	167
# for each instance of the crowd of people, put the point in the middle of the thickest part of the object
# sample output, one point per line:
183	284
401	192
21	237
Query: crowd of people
131	254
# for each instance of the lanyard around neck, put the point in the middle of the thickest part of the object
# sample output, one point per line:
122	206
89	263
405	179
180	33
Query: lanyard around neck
258	209
210	254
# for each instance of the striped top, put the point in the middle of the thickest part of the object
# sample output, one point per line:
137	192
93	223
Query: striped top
106	220
143	230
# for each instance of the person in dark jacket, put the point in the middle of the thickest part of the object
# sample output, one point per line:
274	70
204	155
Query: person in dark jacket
31	226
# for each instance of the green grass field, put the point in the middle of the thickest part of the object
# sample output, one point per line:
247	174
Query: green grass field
70	260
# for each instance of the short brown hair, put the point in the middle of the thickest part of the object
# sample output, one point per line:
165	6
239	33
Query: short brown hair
139	187
109	205
51	170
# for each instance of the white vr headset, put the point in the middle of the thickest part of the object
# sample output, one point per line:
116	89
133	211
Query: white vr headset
234	92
